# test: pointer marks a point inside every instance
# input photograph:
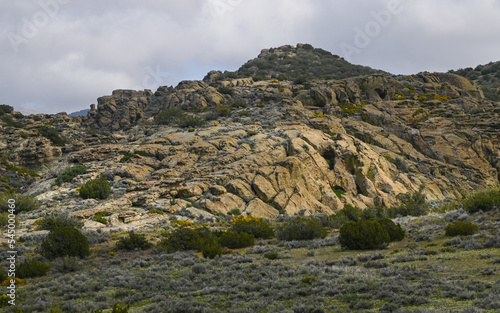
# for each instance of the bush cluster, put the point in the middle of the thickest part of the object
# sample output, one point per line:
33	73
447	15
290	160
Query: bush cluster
9	121
178	117
133	242
65	241
52	134
98	188
4	108
461	228
24	203
411	204
234	240
369	234
301	229
70	173
486	200
258	227
54	220
32	267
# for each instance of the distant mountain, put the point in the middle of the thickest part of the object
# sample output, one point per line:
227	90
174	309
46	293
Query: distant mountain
82	112
486	76
299	63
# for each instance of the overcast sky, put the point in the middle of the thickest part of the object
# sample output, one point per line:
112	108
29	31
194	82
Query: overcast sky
61	55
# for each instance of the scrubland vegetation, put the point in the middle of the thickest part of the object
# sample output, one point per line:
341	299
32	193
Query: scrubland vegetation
429	257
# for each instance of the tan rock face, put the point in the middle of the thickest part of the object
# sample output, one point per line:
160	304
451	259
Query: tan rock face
376	137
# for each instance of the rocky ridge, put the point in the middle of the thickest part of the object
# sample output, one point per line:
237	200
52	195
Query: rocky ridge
270	146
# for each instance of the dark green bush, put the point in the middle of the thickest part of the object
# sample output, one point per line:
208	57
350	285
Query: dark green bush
98	188
185	239
191	121
396	233
235	240
70	173
461	228
9	121
301	229
62	241
259	228
169	117
4	108
32	267
238	103
55	220
486	200
210	249
99	217
23	203
133	242
411	204
363	235
226	90
52	134
4	219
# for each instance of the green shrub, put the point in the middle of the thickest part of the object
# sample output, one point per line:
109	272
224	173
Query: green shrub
259	228
4	219
238	103
191	121
67	264
271	255
235	240
23	203
70	173
301	229
185	239
9	121
62	241
486	200
401	164
461	228
99	217
127	157
4	108
210	249
32	267
55	220
226	90
98	188
19	170
169	117
363	235
133	242
396	233
224	110
52	134
411	204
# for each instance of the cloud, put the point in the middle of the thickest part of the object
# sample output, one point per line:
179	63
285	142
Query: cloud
84	50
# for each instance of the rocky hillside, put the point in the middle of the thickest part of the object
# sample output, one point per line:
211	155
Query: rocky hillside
487	77
308	141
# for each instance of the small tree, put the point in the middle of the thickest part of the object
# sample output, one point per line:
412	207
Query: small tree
98	188
55	220
461	228
32	268
363	235
70	173
133	242
255	226
235	240
486	200
62	241
396	233
301	229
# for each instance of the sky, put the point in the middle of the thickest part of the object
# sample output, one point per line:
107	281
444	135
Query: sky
61	55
